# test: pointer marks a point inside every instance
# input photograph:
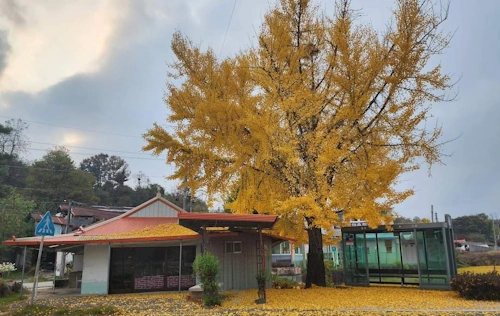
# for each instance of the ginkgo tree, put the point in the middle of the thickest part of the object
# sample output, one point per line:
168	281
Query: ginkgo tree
321	115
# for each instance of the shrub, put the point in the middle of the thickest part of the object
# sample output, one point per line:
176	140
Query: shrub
261	285
489	258
206	266
15	287
329	273
482	287
283	283
4	288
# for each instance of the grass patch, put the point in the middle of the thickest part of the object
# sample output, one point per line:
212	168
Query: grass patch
28	277
6	301
479	269
42	310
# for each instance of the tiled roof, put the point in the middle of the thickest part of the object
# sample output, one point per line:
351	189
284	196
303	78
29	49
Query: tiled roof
81	211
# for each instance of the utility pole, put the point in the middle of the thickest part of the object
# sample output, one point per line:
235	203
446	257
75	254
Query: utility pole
436	217
494	232
184	195
432	213
66	230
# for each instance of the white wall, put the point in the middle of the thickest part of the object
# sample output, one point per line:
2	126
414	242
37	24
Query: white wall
78	263
95	275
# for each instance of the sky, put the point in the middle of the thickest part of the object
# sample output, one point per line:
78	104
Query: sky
98	68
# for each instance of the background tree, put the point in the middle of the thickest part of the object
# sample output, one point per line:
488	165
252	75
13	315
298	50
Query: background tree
16	141
14	208
13	171
476	227
193	203
56	178
107	168
322	115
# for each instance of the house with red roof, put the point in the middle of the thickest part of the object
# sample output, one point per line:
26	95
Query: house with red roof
152	247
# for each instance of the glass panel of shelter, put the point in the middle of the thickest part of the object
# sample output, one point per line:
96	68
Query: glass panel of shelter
406	257
432	256
355	259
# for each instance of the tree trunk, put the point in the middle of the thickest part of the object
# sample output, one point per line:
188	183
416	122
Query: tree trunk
315	263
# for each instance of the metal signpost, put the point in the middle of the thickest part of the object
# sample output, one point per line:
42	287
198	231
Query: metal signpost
44	228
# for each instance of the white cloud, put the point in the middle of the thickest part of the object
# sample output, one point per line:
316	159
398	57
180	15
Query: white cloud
65	38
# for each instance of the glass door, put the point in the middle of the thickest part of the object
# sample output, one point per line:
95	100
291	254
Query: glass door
355	259
409	258
121	270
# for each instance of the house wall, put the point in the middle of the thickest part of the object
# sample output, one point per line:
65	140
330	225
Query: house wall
157	209
95	269
83	221
238	270
78	263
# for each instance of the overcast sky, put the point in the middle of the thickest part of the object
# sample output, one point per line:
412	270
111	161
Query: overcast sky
101	66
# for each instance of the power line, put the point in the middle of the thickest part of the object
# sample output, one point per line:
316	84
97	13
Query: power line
86	154
58	170
89	148
72	127
227	29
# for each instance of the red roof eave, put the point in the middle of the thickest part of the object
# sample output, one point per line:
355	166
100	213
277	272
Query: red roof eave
76	241
229	217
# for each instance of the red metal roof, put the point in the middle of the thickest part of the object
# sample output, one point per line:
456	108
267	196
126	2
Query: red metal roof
229	217
127	224
195	221
121	223
57	220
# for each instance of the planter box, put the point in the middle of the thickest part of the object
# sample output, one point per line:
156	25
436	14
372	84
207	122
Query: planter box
61	283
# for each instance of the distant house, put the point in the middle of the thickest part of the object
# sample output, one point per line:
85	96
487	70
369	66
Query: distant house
463	245
152	247
81	216
87	215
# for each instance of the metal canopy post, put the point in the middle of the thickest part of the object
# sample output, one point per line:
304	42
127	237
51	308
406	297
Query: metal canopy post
37	270
180	264
418	257
22	273
447	254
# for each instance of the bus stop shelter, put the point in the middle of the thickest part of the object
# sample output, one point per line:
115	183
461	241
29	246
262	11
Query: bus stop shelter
413	254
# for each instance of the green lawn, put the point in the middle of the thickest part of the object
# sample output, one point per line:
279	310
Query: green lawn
28	277
6	301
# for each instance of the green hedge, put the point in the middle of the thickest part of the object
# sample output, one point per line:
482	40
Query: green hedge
466	259
481	287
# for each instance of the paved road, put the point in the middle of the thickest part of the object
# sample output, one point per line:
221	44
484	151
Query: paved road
41	285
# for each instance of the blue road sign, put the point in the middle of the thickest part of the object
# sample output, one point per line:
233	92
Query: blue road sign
46	226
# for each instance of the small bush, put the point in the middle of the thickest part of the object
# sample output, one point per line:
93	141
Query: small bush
15	287
283	283
481	287
206	266
4	288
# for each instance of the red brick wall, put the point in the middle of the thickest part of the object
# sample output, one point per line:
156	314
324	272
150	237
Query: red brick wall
156	282
150	282
186	281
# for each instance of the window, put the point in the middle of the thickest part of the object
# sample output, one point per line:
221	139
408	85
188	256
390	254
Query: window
388	246
285	248
237	247
234	247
